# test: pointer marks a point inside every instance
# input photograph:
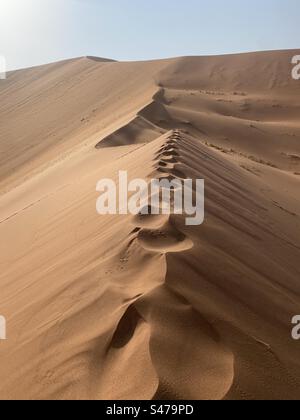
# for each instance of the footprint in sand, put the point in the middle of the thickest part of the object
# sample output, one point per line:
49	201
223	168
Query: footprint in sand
170	152
148	218
164	240
157	233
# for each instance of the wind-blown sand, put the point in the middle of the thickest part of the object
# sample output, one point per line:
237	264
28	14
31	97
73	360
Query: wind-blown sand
123	307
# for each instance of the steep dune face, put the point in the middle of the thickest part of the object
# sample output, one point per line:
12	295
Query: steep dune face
146	307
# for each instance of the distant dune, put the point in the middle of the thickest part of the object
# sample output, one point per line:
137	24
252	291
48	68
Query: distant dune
123	307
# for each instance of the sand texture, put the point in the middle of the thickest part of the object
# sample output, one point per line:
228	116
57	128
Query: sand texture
145	307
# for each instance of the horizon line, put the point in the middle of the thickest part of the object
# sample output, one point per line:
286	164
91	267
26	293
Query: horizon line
111	60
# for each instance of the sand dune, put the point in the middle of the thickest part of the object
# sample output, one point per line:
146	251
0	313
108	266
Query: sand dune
145	307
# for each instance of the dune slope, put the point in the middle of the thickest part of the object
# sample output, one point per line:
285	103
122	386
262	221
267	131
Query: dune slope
145	307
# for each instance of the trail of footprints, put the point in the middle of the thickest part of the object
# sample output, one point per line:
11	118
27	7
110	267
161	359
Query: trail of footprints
158	233
154	233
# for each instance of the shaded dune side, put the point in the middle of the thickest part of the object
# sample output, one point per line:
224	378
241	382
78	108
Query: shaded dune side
138	131
216	322
146	126
222	118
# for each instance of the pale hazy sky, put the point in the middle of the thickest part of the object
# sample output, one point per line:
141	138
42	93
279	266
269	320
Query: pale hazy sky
38	31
